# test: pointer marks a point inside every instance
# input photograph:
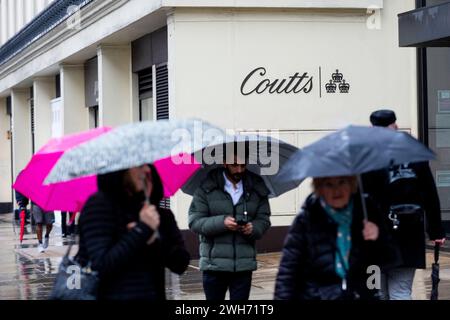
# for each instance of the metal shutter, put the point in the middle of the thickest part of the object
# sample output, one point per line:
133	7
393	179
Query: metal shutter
162	92
162	105
145	82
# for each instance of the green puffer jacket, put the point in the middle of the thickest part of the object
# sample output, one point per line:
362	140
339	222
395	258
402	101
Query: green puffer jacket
220	248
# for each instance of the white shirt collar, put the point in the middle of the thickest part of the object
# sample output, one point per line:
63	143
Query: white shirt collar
234	192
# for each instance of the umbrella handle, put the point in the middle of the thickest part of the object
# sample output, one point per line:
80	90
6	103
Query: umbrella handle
436	252
363	201
147	201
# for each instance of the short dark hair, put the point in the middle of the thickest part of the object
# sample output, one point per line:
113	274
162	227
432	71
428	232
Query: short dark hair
112	184
383	118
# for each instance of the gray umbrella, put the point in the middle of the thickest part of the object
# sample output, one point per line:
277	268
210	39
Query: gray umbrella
352	151
266	155
133	145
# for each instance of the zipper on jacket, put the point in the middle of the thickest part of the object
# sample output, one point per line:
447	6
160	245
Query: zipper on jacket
234	240
234	233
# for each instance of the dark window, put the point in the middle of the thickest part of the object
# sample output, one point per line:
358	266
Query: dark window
58	85
91	82
32	119
145	95
8	106
93	117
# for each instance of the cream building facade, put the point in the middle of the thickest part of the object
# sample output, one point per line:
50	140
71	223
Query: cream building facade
253	66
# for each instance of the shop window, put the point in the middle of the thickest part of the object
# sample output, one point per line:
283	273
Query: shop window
154	82
146	95
437	121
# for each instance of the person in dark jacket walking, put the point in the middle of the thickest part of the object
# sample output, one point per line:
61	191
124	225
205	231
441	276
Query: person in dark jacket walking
408	198
230	211
22	203
128	241
67	230
329	246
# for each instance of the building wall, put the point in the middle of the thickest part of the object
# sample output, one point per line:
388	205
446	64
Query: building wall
211	52
14	14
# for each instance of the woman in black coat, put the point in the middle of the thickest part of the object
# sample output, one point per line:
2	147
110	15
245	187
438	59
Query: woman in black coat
329	247
127	241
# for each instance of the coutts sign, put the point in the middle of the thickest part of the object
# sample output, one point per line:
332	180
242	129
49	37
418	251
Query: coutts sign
295	83
257	82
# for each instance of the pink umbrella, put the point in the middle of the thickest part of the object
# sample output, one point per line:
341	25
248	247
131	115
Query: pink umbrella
64	196
175	174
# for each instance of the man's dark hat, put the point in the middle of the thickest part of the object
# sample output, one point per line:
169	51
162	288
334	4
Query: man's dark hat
382	118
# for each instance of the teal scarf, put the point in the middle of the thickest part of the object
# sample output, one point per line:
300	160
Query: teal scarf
343	218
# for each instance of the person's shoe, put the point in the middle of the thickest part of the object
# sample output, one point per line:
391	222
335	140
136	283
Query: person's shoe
41	248
46	240
64	235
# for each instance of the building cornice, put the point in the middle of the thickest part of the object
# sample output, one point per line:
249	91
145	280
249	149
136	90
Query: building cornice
96	11
288	4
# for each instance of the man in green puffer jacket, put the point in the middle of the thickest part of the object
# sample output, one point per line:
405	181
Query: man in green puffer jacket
230	211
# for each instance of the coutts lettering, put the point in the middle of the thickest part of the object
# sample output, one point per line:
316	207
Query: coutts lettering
255	82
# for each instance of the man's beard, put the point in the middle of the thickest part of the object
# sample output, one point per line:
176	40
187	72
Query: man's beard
236	177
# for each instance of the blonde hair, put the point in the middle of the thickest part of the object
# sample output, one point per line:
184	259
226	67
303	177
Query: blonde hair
317	183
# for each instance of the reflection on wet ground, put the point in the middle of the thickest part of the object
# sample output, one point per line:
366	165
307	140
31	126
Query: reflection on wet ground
26	274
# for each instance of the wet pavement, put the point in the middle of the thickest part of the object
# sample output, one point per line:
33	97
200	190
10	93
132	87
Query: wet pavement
26	274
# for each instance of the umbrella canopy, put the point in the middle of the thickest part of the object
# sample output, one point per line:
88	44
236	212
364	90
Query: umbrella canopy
173	174
435	274
136	144
66	196
266	155
352	151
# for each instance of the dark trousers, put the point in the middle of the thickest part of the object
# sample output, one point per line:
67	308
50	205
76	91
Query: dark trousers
216	284
67	230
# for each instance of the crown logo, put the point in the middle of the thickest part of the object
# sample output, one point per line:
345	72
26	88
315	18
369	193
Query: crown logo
337	81
330	87
337	76
344	87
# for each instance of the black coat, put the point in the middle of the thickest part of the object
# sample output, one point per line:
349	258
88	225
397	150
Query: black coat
307	268
128	267
21	200
419	188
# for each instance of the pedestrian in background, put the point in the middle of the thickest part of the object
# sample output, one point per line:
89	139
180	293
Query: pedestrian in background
68	230
22	203
42	218
408	198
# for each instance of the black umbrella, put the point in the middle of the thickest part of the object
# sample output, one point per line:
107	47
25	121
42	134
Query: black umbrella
259	149
435	274
352	151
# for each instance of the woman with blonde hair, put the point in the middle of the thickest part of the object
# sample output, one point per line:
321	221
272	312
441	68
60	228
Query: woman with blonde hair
330	245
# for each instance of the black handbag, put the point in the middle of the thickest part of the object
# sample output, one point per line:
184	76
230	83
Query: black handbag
74	282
